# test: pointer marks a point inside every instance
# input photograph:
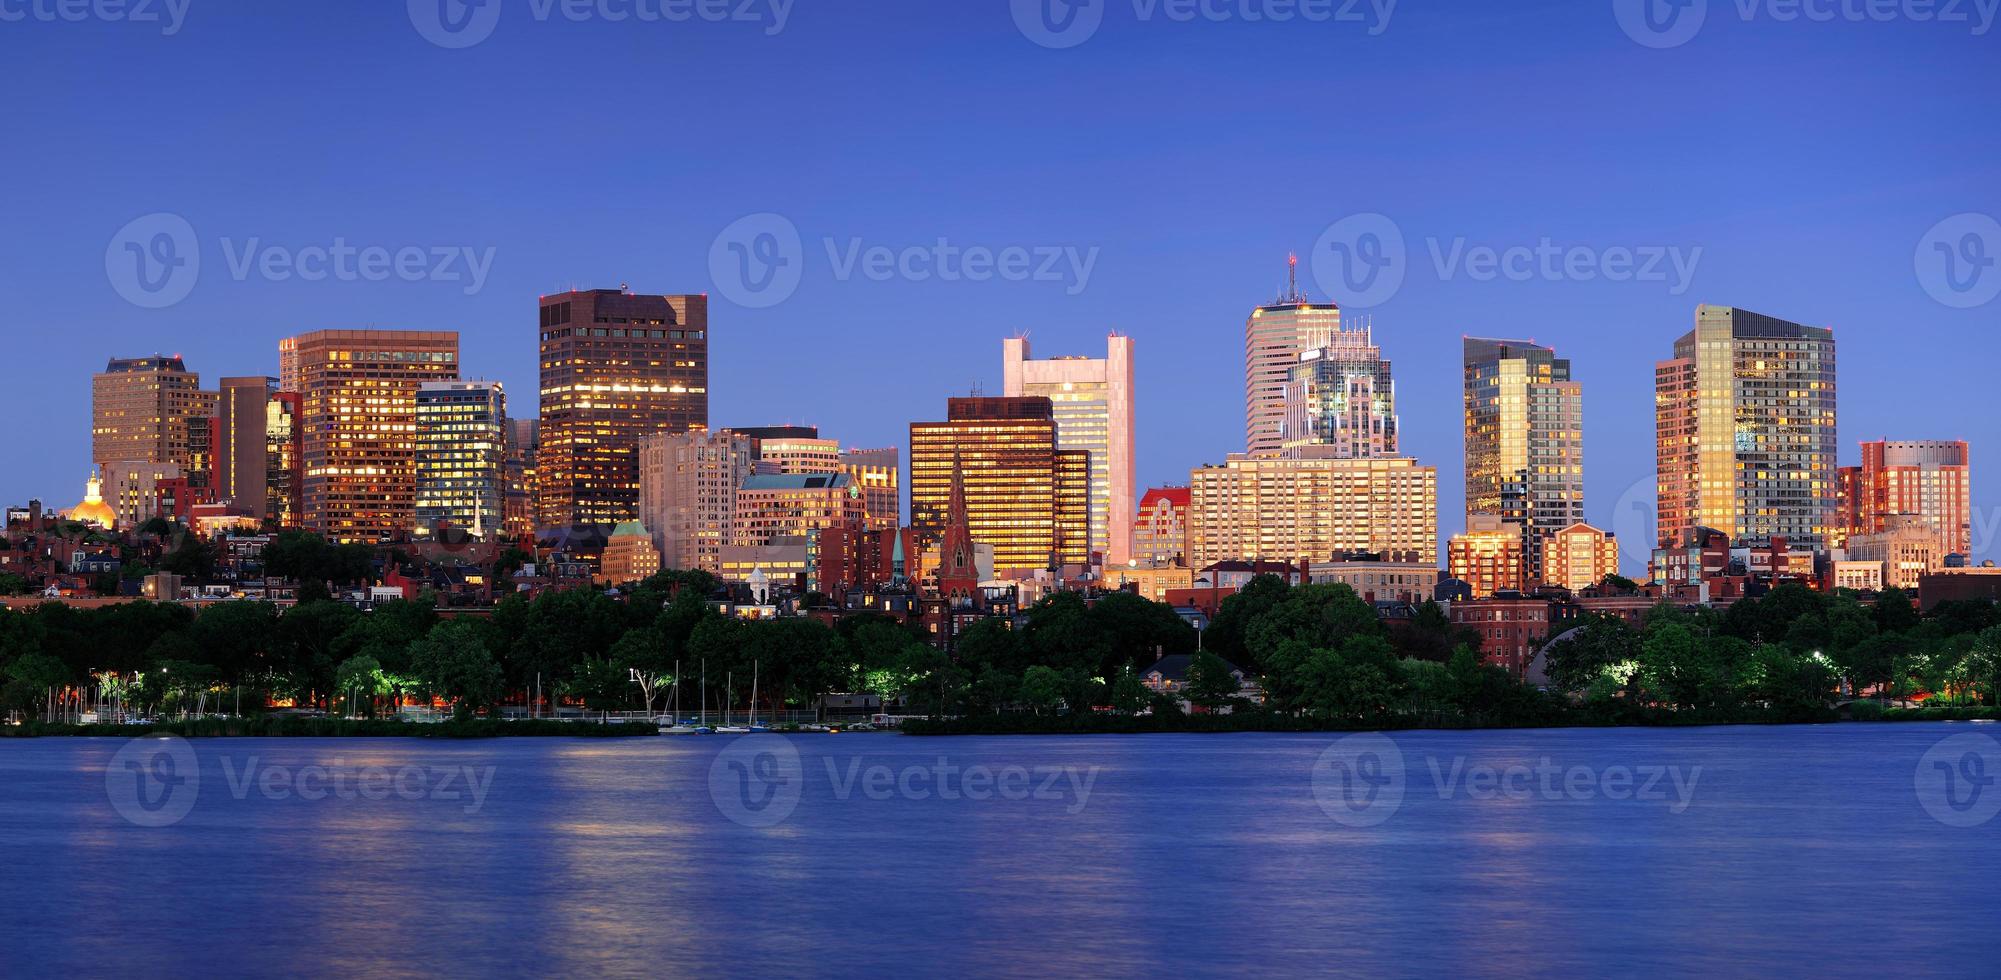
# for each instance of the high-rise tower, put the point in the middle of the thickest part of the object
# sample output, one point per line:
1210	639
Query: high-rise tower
1274	338
1093	401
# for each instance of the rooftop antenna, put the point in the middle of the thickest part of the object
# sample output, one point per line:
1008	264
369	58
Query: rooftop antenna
1292	295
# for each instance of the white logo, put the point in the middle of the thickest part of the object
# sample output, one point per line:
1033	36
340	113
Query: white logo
154	261
1661	23
1955	780
756	781
153	782
757	261
1634	518
1360	260
1956	261
1359	780
1059	24
455	23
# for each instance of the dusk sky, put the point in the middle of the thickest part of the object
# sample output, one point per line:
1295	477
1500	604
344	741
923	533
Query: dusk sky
1796	168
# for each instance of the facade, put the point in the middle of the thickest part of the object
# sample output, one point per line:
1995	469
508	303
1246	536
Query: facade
461	457
1306	509
141	410
1160	534
1093	402
1488	557
628	555
1511	630
1745	430
798	454
878	472
615	367
358	411
1524	439
1025	497
518	475
793	561
1907	550
1340	395
1579	556
284	455
771	506
688	483
1274	337
1931	481
240	445
1376	580
132	489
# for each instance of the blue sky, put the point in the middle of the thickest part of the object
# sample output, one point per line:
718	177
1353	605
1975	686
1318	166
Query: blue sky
1806	160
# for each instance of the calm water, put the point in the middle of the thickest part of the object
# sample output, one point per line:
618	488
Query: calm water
1798	849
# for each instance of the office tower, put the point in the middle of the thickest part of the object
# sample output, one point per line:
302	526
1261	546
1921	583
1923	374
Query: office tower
1025	498
1906	548
1579	556
1309	507
1160	535
358	409
778	505
615	367
140	410
688	483
1093	399
1488	557
878	473
1274	337
629	556
794	454
1524	441
518	473
132	488
198	468
461	457
1340	395
1930	480
1745	420
241	445
284	455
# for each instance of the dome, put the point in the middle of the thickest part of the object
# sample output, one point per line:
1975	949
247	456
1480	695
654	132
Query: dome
94	510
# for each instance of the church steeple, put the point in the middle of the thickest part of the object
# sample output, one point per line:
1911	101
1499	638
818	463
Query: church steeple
958	565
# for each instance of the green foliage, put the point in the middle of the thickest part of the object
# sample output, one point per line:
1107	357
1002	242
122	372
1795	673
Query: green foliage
452	662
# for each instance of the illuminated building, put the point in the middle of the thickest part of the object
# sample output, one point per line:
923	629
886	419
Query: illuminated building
132	488
629	555
615	367
793	561
93	509
1024	497
1579	556
284	455
792	505
1488	557
878	473
1931	481
688	483
358	409
1093	402
1160	534
518	475
461	457
1151	580
1907	549
1307	508
793	454
1377	580
1274	337
1340	395
141	410
1745	427
1524	440
241	464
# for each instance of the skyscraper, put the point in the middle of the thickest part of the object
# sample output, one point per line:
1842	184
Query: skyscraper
241	444
1093	401
1340	395
284	455
1524	441
141	409
358	407
878	472
1024	497
461	457
1308	507
523	441
687	493
1274	337
1929	481
615	367
1745	430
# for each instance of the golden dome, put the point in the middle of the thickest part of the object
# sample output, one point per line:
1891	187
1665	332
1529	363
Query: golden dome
94	510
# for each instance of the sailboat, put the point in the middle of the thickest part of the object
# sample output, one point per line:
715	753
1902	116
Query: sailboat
726	728
754	726
675	726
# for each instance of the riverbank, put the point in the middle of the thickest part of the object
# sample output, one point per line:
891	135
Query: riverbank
335	728
1269	722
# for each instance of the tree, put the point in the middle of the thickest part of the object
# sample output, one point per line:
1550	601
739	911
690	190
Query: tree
1041	687
361	677
643	656
1894	611
1322	616
1129	696
1229	629
453	663
601	685
1211	683
1580	657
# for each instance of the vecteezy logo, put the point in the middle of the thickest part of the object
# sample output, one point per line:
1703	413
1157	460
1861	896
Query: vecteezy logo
1360	260
154	261
1661	23
153	782
756	780
1956	780
757	261
1634	516
1359	780
455	23
1059	24
1956	261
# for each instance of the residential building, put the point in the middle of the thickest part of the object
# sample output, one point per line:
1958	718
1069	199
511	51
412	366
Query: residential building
1511	628
1160	534
1024	496
1524	440
1745	420
141	408
461	458
615	367
1578	557
688	484
1093	403
1307	508
1488	557
1377	580
1274	337
358	411
1929	480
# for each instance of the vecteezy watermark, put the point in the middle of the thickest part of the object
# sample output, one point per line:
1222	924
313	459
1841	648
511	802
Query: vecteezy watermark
1060	24
760	260
1956	260
155	782
464	23
1361	781
1955	780
1362	261
759	780
1673	23
170	15
155	261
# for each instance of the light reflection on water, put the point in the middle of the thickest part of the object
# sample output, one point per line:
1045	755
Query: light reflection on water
1802	848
